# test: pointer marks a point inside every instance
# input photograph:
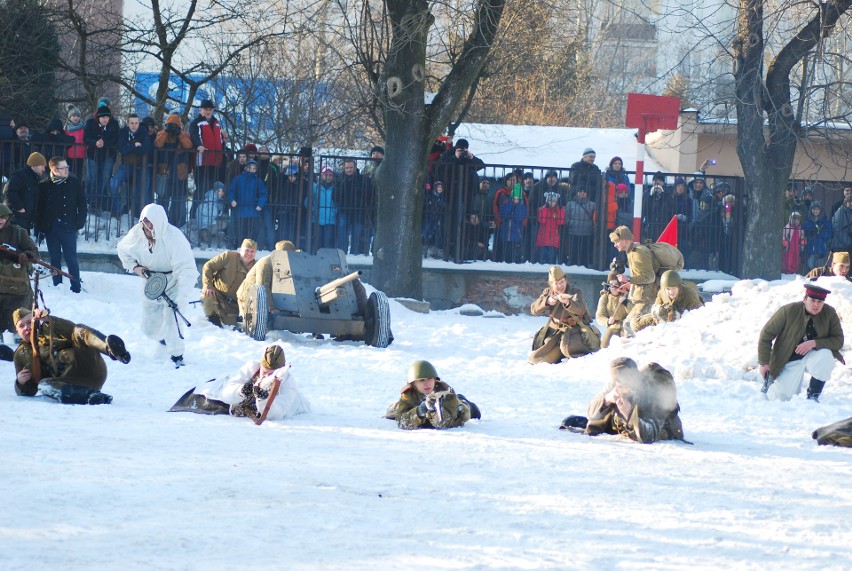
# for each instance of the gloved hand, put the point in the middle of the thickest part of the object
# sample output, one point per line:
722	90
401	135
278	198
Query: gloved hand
23	258
422	410
260	393
247	390
431	403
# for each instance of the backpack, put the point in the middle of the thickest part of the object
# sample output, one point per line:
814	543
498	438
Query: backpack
666	257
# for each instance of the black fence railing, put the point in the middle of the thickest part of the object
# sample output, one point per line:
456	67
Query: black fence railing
472	211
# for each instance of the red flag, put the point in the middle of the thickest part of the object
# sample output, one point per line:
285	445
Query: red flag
669	235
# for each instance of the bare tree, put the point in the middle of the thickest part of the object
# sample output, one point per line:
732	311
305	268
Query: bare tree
411	126
769	120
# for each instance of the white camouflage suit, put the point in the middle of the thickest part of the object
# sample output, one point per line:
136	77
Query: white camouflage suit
170	254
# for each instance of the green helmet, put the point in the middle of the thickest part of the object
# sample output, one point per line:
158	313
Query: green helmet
421	370
670	278
4	211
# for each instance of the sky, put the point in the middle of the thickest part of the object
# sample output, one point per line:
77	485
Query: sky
132	486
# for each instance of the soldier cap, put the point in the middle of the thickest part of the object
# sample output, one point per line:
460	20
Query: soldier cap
816	292
840	258
554	274
249	243
621	233
285	246
19	314
273	358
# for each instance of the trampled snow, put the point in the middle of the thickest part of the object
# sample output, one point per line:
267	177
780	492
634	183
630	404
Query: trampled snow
131	486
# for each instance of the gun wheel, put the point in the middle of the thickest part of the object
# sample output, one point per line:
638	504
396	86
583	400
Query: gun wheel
377	330
256	319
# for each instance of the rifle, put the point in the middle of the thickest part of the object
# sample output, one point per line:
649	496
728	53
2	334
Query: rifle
9	249
767	382
273	392
437	398
35	371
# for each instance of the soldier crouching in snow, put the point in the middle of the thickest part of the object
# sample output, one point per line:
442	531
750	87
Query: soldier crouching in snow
428	402
674	298
263	390
70	366
569	331
803	336
639	404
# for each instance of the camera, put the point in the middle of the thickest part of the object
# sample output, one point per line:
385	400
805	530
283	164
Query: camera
172	129
711	162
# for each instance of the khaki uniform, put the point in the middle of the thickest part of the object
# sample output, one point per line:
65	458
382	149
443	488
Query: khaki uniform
455	410
15	290
68	354
655	409
610	306
665	310
823	272
224	274
569	331
644	281
259	274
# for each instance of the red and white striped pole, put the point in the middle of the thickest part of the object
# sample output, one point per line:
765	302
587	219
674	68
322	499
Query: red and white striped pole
637	187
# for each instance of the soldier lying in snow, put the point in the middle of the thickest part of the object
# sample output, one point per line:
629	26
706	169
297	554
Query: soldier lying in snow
428	402
70	367
259	390
641	405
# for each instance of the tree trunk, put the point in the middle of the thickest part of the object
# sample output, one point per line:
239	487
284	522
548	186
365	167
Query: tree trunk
400	178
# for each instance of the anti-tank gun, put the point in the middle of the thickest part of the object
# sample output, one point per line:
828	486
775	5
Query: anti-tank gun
316	293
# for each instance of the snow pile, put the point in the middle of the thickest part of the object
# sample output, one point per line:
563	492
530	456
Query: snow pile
131	486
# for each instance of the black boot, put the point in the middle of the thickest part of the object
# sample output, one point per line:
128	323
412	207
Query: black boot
815	389
75	394
116	349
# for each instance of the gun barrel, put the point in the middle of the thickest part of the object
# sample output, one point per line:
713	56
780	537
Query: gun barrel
328	293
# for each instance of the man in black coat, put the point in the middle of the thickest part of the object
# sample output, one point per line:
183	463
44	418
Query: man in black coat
586	174
21	192
61	213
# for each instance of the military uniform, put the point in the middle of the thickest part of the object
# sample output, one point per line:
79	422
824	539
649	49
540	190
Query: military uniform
224	274
654	415
666	310
455	409
569	331
70	358
610	306
15	290
786	329
643	280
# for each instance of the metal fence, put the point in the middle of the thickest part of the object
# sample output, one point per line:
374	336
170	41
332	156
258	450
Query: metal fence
472	211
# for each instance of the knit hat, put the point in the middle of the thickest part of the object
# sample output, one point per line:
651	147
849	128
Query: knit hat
680	180
589	151
621	233
218	185
36	160
72	110
273	358
554	274
816	204
548	196
462	144
377	149
207	104
103	111
306	152
550	173
613	159
249	243
251	163
326	169
19	314
250	148
103	102
285	246
840	258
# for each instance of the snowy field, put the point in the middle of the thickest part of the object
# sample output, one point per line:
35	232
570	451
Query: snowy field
130	486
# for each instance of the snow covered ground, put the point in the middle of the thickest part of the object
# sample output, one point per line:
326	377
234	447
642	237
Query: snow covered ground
130	486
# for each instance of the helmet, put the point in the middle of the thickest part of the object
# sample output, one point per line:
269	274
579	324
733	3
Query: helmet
670	278
421	370
4	211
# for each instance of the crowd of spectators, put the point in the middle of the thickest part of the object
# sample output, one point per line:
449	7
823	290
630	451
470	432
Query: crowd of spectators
219	193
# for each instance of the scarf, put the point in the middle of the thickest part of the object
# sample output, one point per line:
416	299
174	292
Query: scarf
71	127
57	179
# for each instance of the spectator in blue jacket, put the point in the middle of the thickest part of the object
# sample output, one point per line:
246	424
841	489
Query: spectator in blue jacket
248	197
513	210
323	209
